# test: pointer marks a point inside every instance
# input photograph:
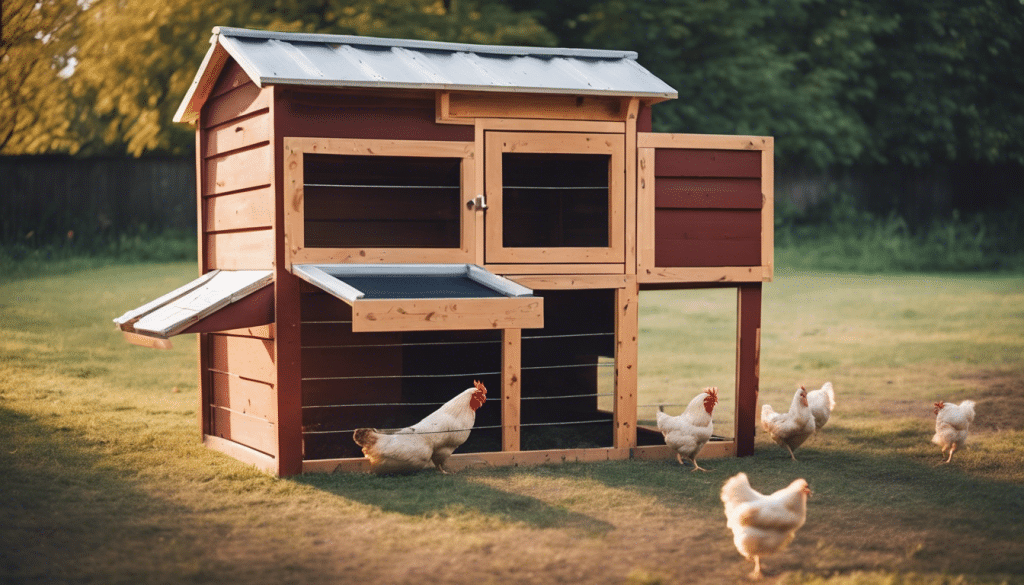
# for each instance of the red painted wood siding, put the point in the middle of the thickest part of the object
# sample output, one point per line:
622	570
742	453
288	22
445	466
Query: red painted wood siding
707	208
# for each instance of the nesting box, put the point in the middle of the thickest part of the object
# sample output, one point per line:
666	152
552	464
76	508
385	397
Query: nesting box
383	221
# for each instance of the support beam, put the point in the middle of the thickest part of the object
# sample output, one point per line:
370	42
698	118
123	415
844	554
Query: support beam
627	324
511	366
748	365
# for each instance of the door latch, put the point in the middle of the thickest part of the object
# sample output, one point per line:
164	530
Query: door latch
477	202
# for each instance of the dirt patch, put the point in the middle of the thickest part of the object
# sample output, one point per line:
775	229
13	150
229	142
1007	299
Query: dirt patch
999	399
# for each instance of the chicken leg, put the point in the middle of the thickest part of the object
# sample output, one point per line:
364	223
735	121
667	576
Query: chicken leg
756	573
952	448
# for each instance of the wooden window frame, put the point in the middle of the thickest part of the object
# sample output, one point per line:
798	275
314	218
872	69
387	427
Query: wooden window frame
296	251
497	143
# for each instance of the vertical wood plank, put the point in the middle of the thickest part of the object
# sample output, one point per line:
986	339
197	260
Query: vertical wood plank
511	362
626	350
478	215
205	381
631	182
645	209
287	311
748	370
768	209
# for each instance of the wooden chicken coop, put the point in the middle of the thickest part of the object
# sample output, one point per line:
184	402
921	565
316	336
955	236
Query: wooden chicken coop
383	221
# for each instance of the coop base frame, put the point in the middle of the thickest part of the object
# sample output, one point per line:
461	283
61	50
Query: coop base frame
459	461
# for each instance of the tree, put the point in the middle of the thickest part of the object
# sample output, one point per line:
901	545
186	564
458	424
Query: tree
37	45
787	68
951	83
137	58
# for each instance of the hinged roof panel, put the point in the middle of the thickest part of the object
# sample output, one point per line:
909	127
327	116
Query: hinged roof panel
277	58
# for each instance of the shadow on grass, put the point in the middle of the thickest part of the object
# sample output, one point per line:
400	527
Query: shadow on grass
66	516
429	494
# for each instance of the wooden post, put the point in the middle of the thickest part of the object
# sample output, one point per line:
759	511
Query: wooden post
627	323
748	365
511	362
203	342
288	319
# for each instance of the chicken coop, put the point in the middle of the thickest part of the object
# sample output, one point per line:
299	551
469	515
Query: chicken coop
383	221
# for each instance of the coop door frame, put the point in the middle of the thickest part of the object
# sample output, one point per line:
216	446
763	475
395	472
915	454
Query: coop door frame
297	252
499	142
709	171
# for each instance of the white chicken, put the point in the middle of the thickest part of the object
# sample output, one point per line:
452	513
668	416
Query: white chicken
688	432
763	525
790	429
822	403
951	424
431	440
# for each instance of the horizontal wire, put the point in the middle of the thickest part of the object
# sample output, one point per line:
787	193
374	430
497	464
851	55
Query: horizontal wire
554	188
481	427
340	186
440	403
327	378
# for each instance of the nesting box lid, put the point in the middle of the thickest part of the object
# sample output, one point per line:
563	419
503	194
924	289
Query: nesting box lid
181	309
424	297
304	59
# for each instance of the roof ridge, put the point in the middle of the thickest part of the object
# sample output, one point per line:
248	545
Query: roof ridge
423	45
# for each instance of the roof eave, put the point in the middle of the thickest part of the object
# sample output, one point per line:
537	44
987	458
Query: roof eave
657	96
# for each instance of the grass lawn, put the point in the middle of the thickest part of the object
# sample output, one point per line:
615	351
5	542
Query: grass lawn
103	478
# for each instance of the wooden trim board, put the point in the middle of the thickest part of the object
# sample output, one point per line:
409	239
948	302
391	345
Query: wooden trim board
297	253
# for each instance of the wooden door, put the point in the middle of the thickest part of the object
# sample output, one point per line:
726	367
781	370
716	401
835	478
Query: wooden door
554	197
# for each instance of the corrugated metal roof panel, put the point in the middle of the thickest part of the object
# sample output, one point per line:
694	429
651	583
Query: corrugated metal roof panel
349	61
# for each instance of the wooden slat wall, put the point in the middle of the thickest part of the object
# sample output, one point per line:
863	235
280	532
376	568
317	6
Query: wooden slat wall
332	114
707	208
241	375
538	106
236	209
237	171
331	353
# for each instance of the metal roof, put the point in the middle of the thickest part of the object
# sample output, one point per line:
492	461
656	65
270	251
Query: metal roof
270	58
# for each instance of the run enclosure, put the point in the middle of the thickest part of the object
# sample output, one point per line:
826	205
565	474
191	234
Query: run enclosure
554	192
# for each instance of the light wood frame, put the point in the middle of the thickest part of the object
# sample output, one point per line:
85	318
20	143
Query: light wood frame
298	253
647	272
497	143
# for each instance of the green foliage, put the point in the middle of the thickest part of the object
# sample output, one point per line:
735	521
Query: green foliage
837	235
137	59
31	258
37	39
836	82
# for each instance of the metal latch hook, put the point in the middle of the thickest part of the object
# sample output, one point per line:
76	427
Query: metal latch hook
477	202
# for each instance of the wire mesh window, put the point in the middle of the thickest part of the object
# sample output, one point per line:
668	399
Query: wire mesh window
555	200
353	201
389	380
568	372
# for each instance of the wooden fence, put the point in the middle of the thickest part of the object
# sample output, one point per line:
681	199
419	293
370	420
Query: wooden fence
46	197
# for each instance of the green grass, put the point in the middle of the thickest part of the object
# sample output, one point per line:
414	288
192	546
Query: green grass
104	479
